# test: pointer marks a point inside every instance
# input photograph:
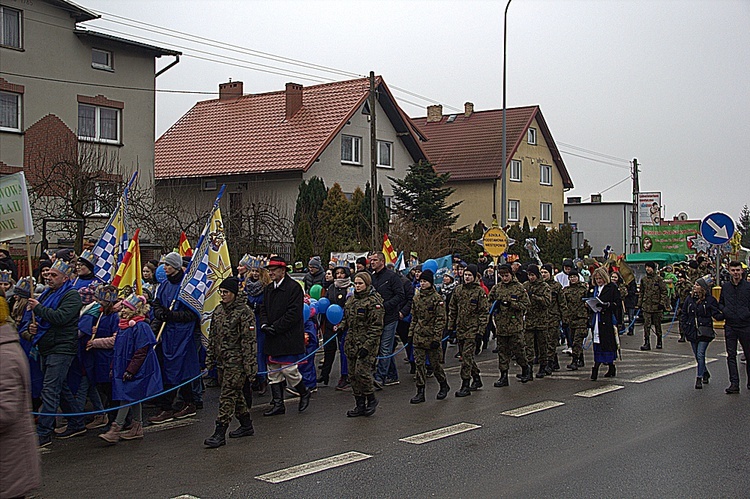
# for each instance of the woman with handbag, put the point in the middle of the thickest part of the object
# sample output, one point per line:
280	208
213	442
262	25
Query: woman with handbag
697	314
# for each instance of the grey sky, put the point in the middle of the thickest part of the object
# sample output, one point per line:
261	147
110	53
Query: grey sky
662	81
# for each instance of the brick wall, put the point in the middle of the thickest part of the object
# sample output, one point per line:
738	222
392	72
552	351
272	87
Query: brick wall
49	150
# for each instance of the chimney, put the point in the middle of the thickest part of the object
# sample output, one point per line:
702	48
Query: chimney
468	109
230	91
574	200
596	198
434	113
293	99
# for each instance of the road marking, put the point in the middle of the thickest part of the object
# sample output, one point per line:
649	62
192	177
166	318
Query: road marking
186	496
169	425
530	409
665	372
600	390
660	354
312	467
429	436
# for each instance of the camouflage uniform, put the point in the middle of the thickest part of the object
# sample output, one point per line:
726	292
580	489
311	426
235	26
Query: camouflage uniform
426	331
468	317
537	318
512	303
652	300
232	348
576	314
555	317
363	316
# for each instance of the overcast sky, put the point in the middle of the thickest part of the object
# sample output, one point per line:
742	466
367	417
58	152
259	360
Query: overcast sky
667	82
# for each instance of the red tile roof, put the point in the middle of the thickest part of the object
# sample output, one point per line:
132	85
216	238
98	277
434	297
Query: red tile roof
252	135
471	148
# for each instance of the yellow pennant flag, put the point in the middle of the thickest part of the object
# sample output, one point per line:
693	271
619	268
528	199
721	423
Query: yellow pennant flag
130	271
219	268
388	251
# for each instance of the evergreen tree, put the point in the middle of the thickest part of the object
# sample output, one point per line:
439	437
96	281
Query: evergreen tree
743	225
336	222
514	232
365	215
309	201
303	248
421	197
360	224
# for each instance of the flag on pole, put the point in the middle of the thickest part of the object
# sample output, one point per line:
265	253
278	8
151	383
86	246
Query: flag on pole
130	272
400	263
113	243
388	251
184	247
210	266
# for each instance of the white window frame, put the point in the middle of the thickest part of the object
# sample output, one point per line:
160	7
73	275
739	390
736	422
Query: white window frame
98	124
511	204
17	128
389	146
96	65
545	174
97	208
3	9
356	148
531	136
516	171
545	217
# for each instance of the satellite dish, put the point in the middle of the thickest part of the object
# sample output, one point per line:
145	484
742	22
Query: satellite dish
682	216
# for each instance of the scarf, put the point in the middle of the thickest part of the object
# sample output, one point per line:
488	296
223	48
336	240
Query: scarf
126	323
342	283
50	299
253	288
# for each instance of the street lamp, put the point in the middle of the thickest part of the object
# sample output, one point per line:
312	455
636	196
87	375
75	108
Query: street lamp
504	188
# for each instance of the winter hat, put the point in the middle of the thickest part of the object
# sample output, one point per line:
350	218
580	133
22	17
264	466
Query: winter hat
428	276
315	262
362	261
568	263
24	287
693	264
651	265
66	254
548	267
231	284
504	269
533	269
344	267
4	253
705	282
574	272
173	259
472	269
88	259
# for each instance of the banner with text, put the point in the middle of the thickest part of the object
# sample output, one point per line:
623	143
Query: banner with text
649	208
15	212
670	238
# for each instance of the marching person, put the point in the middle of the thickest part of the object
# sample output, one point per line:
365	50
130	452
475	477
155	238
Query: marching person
389	287
735	305
652	300
555	318
363	318
100	344
281	319
576	315
697	313
425	333
338	293
604	322
537	317
231	349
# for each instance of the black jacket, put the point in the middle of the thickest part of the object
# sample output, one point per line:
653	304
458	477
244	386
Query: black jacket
282	309
735	304
405	309
632	299
611	311
694	314
389	287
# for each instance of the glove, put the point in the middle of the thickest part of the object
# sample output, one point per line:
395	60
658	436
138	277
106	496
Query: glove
268	329
127	376
434	345
362	353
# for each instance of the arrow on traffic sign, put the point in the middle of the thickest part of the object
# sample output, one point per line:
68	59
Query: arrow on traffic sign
721	232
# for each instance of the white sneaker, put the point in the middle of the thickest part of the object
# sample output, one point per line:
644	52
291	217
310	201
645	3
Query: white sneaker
568	350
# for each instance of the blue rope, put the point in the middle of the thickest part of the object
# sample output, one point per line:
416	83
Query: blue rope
303	359
402	349
637	313
674	315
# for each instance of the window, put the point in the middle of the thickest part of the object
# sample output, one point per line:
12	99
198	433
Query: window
101	59
545	174
531	139
10	27
388	200
103	200
514	208
545	212
515	170
10	112
98	123
351	149
385	154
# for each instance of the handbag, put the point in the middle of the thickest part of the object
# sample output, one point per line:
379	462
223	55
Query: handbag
704	331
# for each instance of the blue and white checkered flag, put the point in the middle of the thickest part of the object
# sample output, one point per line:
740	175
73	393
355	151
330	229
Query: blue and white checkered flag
113	243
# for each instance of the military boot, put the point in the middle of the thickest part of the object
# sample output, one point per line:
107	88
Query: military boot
218	438
555	364
419	397
527	374
542	369
573	366
359	410
658	342
444	389
502	381
465	391
372	404
646	342
246	427
304	396
580	361
476	382
277	400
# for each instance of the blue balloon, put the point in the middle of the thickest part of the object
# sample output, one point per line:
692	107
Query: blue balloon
160	274
335	314
323	305
306	312
430	265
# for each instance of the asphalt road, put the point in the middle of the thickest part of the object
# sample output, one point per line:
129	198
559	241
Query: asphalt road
656	436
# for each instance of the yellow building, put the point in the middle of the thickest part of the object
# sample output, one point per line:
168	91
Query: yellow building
469	147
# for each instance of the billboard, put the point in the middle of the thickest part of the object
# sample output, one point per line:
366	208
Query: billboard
670	238
649	208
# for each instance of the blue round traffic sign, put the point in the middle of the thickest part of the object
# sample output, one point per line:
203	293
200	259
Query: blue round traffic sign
717	228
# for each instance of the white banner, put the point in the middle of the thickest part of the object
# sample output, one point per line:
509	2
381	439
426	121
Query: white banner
15	212
347	258
649	208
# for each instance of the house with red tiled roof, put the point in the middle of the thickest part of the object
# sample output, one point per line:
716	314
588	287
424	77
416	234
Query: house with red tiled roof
469	147
266	144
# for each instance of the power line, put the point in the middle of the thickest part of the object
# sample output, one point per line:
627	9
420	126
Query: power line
609	188
595	160
594	152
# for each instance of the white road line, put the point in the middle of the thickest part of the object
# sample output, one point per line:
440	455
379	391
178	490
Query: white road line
170	425
312	467
429	436
600	390
530	409
665	372
186	496
654	352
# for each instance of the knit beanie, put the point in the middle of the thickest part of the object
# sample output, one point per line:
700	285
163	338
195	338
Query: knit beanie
650	264
315	262
548	267
472	269
231	284
428	276
533	269
173	259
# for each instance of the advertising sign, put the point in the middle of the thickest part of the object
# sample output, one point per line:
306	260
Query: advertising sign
15	213
649	208
670	238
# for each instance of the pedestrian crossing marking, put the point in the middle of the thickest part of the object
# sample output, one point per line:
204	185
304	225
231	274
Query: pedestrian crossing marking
658	353
169	425
186	496
530	409
429	436
665	372
305	469
600	390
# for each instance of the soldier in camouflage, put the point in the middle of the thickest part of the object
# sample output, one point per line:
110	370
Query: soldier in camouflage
363	316
555	317
467	316
652	300
232	349
509	302
576	315
537	317
425	332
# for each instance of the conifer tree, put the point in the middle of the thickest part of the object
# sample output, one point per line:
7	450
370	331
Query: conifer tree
421	197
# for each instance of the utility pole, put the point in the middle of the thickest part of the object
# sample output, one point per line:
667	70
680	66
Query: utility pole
373	166
634	246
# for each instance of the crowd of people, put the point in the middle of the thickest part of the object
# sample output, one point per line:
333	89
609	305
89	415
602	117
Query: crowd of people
89	345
